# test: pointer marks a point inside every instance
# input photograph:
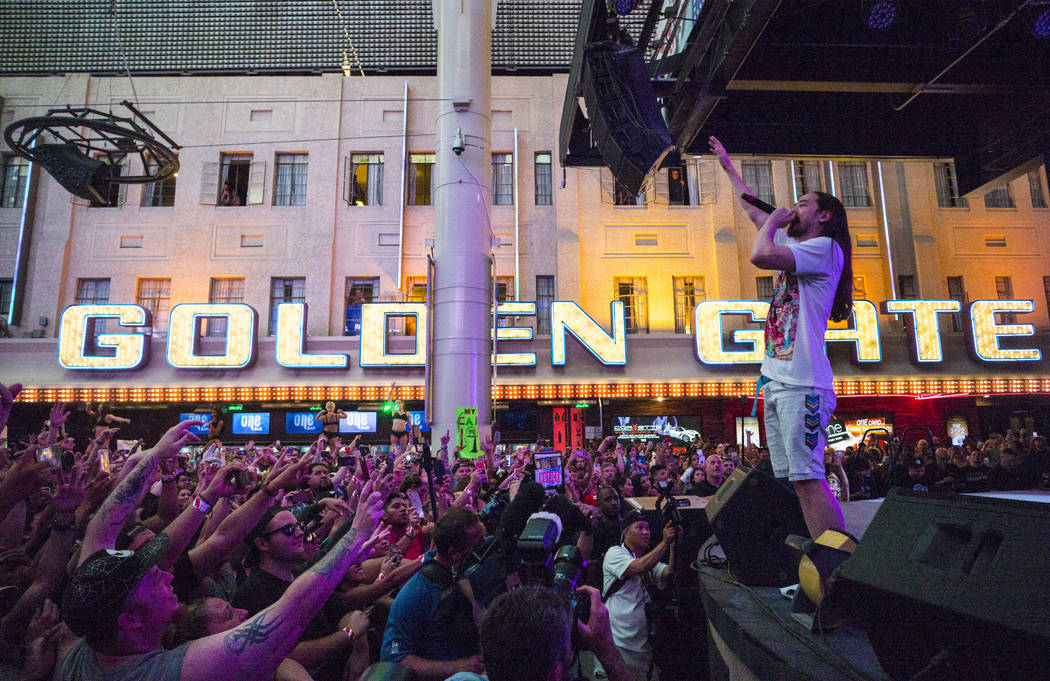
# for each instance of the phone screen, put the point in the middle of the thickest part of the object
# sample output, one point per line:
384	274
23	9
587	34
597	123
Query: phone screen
103	462
50	456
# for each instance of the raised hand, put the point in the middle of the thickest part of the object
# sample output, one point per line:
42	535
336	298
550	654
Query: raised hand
58	414
718	150
8	393
175	438
69	491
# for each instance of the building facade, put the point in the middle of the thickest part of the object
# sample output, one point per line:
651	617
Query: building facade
316	189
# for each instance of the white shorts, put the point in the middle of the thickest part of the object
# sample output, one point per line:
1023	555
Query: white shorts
796	429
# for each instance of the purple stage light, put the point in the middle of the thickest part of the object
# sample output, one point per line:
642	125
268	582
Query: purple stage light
1041	26
625	7
882	15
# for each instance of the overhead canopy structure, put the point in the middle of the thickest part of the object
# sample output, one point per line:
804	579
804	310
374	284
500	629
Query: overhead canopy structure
962	79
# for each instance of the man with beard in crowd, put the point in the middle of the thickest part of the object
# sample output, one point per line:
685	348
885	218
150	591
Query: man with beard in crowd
319	482
714	476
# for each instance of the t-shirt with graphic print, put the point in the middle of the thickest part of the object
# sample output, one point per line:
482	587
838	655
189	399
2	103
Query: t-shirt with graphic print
798	314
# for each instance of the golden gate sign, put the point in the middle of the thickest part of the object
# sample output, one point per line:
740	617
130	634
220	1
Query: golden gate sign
129	350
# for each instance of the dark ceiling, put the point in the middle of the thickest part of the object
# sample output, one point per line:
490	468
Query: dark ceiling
808	78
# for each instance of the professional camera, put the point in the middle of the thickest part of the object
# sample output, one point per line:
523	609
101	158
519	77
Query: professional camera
561	569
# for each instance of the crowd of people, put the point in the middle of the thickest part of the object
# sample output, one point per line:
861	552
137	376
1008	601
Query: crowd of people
267	562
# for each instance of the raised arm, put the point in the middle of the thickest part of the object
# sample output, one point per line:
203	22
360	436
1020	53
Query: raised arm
208	556
255	648
756	215
103	529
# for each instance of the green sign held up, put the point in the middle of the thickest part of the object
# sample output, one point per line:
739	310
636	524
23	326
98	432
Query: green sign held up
467	432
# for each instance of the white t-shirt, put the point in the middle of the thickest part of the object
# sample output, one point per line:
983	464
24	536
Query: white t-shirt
798	315
630	629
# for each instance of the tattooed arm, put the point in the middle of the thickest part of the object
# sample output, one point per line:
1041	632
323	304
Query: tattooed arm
103	529
255	648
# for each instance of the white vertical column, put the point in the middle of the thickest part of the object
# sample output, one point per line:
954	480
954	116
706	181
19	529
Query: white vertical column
462	322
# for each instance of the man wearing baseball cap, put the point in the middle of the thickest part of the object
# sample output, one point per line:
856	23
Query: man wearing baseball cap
630	571
121	603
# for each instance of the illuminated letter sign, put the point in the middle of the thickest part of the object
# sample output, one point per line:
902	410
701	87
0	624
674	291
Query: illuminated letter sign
986	332
865	332
708	318
568	316
373	334
505	333
183	336
77	326
290	344
924	314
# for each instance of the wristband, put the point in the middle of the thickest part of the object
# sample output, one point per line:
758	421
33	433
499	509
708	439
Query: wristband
349	633
380	576
200	504
166	478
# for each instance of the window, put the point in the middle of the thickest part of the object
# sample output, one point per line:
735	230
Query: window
947	186
544	191
115	193
420	190
223	290
1004	290
623	197
633	293
853	184
363	179
161	193
860	289
1035	186
688	291
807	176
359	290
92	292
759	176
7	287
155	296
234	179
13	185
289	179
1046	292
502	179
764	288
544	298
285	290
906	287
707	184
417	293
999	198
504	292
677	186
956	291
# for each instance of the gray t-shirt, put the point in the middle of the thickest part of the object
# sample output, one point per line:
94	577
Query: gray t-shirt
156	665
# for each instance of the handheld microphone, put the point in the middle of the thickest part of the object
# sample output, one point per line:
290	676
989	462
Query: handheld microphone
757	203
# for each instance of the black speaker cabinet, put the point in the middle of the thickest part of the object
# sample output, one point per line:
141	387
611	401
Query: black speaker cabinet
751	515
625	118
965	579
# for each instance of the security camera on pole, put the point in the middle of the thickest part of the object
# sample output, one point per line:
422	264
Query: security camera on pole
461	294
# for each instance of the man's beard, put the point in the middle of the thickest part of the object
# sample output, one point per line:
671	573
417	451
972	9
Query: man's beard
794	229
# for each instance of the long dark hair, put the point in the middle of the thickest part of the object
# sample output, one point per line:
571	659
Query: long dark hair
837	229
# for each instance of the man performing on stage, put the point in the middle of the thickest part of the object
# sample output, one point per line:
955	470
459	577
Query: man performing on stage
814	282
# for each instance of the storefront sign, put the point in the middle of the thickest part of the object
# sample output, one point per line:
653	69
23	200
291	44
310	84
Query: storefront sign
128	350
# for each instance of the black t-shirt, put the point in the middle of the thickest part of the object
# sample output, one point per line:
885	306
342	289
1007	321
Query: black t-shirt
606	535
1021	477
923	484
261	590
974	479
702	489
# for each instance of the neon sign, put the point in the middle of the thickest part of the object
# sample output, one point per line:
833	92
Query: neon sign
124	351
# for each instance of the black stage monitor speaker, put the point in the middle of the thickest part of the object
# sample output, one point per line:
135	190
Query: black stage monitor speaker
963	582
626	122
751	515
